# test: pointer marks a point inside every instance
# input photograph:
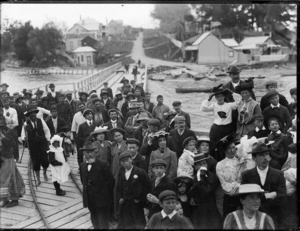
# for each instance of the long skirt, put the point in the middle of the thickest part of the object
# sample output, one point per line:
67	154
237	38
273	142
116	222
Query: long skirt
216	133
12	186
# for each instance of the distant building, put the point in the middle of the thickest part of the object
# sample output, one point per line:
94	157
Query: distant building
209	49
230	42
116	27
84	56
89	41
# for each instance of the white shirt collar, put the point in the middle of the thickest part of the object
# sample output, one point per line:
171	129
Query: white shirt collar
113	121
172	214
180	133
272	106
257	129
89	121
263	172
235	84
134	156
278	132
159	178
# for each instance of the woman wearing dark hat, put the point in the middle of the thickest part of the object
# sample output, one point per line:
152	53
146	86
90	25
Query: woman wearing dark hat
12	186
246	109
222	125
205	214
161	151
249	217
102	145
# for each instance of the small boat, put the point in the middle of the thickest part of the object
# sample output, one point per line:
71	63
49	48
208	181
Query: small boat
194	89
157	77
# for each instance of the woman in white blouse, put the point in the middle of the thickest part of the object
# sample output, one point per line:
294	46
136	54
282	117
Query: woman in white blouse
222	113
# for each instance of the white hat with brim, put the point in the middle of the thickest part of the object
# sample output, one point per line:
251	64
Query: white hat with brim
249	189
99	130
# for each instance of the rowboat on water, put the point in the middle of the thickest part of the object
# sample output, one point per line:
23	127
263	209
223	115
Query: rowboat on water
193	89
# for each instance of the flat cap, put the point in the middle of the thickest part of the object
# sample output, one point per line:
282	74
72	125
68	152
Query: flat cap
187	140
258	117
154	122
87	111
124	155
132	141
271	83
179	119
176	103
4	85
167	194
158	162
271	93
95	100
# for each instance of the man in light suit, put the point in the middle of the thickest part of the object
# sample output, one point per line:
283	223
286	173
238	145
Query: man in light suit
269	179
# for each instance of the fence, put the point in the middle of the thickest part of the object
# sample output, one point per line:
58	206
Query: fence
72	71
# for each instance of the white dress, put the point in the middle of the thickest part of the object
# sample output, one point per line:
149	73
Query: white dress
186	164
59	173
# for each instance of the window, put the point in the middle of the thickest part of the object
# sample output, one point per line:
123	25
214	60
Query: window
230	54
81	58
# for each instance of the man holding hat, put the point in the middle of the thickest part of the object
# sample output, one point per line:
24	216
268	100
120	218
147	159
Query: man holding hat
98	184
178	135
264	101
137	159
52	94
179	112
36	132
160	182
132	187
276	108
270	180
108	89
168	218
84	131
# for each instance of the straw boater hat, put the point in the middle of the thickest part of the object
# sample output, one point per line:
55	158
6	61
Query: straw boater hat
135	104
249	189
99	130
104	92
159	134
18	96
68	93
233	69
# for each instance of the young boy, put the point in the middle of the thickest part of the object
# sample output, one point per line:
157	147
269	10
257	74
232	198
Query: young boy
168	218
260	130
279	147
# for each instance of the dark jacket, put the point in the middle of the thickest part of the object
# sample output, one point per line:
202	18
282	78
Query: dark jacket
60	123
187	118
279	150
109	91
98	184
282	112
229	97
51	99
175	140
150	108
264	102
84	131
64	111
140	162
109	124
108	104
261	133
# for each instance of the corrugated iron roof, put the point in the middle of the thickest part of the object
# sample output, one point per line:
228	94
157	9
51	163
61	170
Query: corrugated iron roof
89	24
254	40
201	38
192	39
230	42
84	49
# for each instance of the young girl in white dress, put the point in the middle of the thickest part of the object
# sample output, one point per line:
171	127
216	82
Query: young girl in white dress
60	169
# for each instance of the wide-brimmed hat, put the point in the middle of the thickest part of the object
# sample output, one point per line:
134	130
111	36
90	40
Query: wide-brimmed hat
65	128
276	116
271	83
200	157
188	139
29	92
158	162
124	80
249	189
99	130
142	117
39	92
129	94
243	87
88	146
271	93
176	103
203	139
4	85
221	90
68	93
51	85
86	111
125	154
83	93
92	91
134	104
31	110
167	194
154	122
96	100
168	114
259	148
227	140
4	92
18	96
233	69
183	179
122	131
159	134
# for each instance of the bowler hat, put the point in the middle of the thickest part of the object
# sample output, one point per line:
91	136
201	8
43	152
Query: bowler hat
293	91
249	189
244	87
132	141
259	148
83	93
125	154
271	93
187	140
51	85
92	91
99	130
202	139
200	157
88	146
176	103
158	162
31	110
271	83
167	194
87	111
154	122
258	117
122	131
233	69
142	117
39	92
220	90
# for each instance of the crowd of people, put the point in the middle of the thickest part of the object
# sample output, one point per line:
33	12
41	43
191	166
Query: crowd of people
142	165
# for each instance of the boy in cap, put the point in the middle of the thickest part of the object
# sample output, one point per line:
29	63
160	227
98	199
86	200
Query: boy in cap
179	112
264	102
98	183
168	217
270	180
276	108
132	187
137	159
260	130
160	182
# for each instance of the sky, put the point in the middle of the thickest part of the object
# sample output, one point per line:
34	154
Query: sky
136	15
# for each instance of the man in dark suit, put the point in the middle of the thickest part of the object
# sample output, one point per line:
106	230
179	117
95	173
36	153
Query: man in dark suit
98	184
264	101
160	183
84	131
178	135
64	110
269	179
137	159
106	100
114	120
100	112
55	122
52	95
108	89
179	112
148	105
277	109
